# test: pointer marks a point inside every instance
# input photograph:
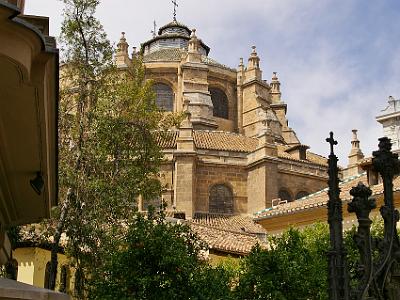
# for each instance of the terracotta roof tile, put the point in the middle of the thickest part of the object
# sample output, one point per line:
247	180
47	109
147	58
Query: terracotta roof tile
237	223
226	241
224	141
167	139
228	233
175	54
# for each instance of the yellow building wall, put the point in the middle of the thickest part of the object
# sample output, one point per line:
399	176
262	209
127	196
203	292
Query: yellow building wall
32	267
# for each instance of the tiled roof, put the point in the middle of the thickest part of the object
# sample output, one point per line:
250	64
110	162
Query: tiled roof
167	139
228	233
320	198
228	141
211	62
175	54
226	241
224	141
237	223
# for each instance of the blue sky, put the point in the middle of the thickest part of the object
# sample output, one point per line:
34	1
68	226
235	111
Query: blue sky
338	61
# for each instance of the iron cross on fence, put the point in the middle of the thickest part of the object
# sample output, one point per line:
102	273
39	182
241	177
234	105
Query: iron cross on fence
331	141
175	6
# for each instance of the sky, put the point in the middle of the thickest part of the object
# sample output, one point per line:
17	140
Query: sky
338	61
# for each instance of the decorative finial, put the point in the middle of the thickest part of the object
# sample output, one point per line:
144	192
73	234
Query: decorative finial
241	62
254	49
123	45
355	138
122	39
274	76
175	6
331	141
193	33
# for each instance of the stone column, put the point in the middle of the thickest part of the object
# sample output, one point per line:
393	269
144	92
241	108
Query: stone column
262	179
185	167
194	76
185	183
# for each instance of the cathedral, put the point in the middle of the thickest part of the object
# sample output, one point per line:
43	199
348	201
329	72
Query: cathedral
234	153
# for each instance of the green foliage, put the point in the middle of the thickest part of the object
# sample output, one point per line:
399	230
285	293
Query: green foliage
293	268
157	260
14	234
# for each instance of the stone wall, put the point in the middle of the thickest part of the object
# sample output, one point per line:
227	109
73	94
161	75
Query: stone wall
295	183
235	177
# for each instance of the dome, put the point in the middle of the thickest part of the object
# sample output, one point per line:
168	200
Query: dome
174	27
173	35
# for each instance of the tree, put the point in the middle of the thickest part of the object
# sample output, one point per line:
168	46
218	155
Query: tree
295	267
157	260
108	154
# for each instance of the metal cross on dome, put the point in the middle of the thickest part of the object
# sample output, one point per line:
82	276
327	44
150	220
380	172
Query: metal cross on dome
175	6
154	31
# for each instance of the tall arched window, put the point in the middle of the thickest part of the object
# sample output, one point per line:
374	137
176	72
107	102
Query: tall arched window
164	96
301	194
47	275
285	195
220	103
221	199
64	279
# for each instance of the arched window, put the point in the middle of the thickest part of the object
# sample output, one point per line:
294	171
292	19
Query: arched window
221	199
301	194
64	279
285	195
47	275
79	282
220	103
164	96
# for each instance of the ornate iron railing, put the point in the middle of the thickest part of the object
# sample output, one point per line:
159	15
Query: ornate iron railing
379	259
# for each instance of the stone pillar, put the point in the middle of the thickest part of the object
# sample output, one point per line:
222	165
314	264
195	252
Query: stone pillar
355	156
280	109
185	167
195	86
262	179
122	57
255	97
240	77
185	183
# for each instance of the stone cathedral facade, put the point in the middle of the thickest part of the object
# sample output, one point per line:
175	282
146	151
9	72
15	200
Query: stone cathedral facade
234	152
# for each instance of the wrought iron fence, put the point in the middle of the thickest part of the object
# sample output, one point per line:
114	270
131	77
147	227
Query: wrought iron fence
378	266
